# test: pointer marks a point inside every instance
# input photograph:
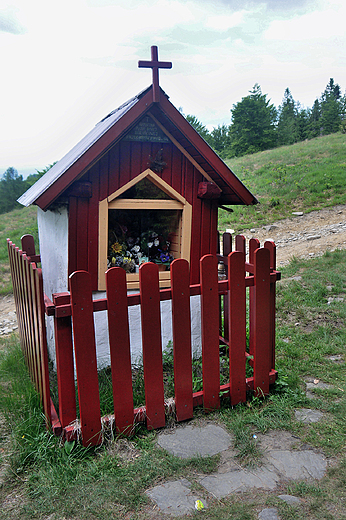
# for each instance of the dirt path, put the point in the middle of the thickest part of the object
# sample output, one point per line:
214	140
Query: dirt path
304	236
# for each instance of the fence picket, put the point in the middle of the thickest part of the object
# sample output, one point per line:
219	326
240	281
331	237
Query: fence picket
85	354
269	244
237	320
35	327
25	296
262	347
210	332
46	400
240	244
253	245
226	250
19	303
181	320
64	362
119	341
14	275
152	345
31	329
226	244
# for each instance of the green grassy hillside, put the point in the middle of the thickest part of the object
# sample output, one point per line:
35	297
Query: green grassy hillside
302	177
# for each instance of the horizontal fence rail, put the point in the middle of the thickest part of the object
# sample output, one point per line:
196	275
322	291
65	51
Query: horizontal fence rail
224	320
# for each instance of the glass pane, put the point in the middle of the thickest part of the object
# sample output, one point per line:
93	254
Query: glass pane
137	236
144	189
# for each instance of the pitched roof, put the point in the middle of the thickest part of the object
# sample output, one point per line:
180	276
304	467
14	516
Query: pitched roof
113	127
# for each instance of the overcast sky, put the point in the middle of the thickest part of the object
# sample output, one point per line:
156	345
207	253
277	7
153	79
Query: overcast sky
66	64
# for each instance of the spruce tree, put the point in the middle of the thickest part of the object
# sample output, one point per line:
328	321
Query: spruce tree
253	124
288	126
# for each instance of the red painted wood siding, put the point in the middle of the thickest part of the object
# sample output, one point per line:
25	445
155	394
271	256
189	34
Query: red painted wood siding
121	164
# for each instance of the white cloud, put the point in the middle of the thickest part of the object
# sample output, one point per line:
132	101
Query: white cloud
320	25
222	22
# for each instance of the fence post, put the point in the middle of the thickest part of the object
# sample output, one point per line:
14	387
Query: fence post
237	320
262	347
152	345
28	245
85	354
119	342
210	332
181	321
64	361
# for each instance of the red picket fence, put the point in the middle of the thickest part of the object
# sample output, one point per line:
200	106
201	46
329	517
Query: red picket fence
30	306
75	344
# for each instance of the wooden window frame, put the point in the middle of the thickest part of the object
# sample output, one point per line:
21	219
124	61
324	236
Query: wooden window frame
177	202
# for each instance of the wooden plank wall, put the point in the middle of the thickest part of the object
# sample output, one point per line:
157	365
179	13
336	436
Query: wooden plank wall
117	167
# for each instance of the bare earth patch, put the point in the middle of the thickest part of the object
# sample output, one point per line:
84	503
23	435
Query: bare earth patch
306	236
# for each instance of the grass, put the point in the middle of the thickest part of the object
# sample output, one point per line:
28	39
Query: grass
14	225
103	483
302	177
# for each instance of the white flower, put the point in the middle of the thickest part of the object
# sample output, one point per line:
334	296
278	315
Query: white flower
135	249
156	242
150	244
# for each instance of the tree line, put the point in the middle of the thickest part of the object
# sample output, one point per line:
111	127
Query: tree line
256	124
12	186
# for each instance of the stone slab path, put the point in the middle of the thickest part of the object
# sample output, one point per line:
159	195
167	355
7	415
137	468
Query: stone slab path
281	463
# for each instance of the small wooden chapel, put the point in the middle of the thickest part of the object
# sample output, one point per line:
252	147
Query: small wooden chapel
141	186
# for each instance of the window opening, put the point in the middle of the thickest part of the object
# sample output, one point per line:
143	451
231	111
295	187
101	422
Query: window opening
136	236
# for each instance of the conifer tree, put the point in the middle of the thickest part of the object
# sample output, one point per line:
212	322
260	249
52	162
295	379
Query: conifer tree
331	108
253	124
288	126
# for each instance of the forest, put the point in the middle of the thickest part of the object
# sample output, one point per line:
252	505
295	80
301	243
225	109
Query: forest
256	125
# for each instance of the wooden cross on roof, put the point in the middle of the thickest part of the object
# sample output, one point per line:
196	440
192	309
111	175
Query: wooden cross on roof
155	64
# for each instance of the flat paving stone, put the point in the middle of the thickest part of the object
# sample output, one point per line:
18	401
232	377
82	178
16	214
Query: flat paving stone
270	513
175	498
241	480
336	359
320	386
280	465
308	416
194	441
294	465
290	499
